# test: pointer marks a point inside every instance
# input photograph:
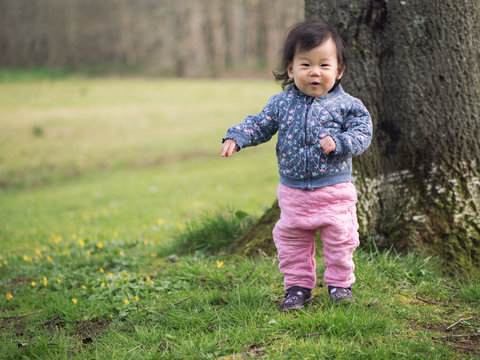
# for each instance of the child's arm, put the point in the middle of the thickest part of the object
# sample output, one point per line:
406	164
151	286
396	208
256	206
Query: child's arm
253	130
358	132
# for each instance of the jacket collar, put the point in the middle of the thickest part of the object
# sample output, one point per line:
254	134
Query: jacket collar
337	90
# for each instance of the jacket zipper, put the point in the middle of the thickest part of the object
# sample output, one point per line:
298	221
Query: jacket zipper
307	147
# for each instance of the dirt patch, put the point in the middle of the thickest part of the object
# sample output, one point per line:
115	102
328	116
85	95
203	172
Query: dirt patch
88	330
19	328
53	324
462	336
13	325
20	280
84	331
461	343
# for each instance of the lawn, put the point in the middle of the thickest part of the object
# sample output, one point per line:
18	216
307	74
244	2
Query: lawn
96	156
112	190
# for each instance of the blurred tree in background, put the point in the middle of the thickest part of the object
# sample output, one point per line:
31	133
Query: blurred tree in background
167	37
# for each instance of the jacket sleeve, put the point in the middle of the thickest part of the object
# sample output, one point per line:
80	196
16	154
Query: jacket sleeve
358	130
256	129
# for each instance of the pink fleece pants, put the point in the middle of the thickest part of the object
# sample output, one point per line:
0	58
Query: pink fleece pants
331	210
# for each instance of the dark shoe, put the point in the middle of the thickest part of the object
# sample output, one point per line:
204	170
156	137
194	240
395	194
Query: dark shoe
295	298
339	294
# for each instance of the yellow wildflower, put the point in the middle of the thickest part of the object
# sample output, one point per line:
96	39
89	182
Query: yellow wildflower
136	298
84	287
115	233
74	300
74	236
89	253
160	222
101	270
122	253
33	283
126	301
153	255
110	316
100	245
111	274
5	262
81	243
38	252
45	282
49	259
59	281
102	284
27	258
57	239
220	264
9	296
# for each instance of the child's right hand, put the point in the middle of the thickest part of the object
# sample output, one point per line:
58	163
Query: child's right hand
229	147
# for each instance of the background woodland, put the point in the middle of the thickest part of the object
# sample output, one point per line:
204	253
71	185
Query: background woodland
168	37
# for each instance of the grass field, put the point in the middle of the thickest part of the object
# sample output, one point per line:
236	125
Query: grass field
105	186
95	156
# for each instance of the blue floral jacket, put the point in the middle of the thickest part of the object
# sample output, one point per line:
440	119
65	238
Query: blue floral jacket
302	121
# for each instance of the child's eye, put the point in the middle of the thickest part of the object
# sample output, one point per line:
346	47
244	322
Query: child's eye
325	65
305	64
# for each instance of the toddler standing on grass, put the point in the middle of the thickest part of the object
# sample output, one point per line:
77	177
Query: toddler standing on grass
320	128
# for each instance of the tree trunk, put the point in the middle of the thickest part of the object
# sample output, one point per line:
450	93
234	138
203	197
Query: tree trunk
415	65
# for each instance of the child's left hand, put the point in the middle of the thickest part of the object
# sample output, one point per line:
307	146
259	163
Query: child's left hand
328	144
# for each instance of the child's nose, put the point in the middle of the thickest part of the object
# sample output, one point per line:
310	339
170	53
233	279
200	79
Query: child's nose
315	71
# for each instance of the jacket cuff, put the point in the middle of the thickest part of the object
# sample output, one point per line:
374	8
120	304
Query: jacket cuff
339	147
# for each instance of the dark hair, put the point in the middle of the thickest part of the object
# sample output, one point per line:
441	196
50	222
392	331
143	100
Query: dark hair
305	36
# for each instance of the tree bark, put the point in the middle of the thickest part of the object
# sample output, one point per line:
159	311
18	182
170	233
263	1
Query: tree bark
415	65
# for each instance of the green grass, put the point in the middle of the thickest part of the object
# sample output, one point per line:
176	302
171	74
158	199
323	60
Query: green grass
124	155
132	301
56	129
113	193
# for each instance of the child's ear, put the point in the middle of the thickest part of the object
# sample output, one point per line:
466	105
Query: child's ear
340	72
290	70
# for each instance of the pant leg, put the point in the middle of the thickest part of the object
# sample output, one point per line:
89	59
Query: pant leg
296	249
294	239
340	239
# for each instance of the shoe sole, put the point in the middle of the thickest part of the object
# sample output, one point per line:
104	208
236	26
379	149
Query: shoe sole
296	307
344	300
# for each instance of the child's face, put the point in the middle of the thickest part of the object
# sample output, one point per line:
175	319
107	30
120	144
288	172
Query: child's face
315	71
